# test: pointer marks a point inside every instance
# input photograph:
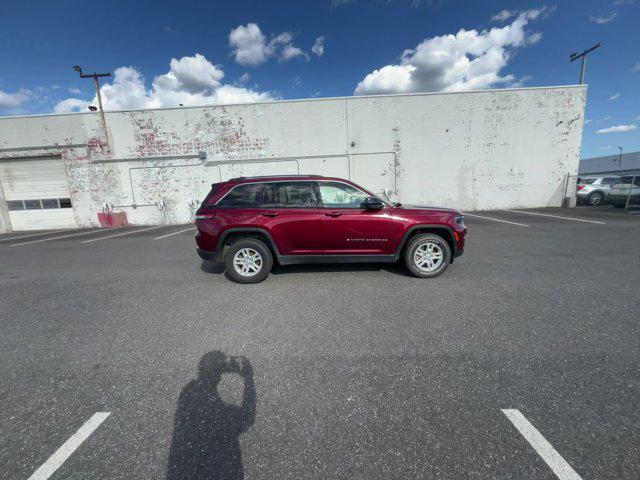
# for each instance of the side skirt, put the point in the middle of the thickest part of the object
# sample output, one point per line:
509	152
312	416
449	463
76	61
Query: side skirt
297	259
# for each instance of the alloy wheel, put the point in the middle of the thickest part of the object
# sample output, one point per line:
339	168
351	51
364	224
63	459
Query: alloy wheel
247	262
428	257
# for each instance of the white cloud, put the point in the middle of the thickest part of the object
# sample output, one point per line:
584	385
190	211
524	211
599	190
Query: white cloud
71	105
250	47
608	147
534	38
588	120
520	82
244	77
617	128
608	117
190	81
75	91
622	3
248	44
503	15
636	67
191	74
467	60
289	52
604	19
318	46
14	100
615	96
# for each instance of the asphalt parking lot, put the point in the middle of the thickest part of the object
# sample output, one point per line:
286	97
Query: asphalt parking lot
520	362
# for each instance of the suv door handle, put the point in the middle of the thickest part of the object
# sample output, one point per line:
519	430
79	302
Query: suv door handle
333	214
270	214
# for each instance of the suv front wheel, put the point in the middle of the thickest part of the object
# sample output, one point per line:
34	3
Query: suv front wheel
248	260
427	255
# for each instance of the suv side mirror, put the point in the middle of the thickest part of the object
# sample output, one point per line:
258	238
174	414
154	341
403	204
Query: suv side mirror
372	203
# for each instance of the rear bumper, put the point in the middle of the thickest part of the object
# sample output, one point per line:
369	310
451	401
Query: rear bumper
207	255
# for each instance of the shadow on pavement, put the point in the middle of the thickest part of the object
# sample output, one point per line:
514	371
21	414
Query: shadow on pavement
396	268
205	442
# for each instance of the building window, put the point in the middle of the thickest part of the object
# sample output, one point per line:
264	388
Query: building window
15	205
50	203
32	205
65	202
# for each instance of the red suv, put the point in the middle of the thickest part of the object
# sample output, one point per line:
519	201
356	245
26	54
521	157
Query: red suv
250	222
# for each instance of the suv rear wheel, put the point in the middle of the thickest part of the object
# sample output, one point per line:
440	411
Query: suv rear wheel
248	260
427	255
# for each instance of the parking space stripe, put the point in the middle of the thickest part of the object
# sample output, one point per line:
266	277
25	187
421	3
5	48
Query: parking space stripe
557	216
496	219
60	236
175	233
549	454
33	235
54	462
124	233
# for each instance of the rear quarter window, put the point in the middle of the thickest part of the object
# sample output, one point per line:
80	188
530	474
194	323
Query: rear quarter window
247	195
209	199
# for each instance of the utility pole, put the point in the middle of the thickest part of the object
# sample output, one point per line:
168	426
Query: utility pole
620	157
95	77
583	55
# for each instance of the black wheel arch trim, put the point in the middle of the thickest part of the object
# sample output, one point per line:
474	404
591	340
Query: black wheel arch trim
231	231
433	226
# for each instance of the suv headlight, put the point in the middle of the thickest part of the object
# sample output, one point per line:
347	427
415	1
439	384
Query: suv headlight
460	221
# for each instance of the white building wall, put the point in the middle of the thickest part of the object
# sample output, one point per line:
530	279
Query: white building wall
475	150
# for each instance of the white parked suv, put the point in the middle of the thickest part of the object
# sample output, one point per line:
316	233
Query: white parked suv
594	190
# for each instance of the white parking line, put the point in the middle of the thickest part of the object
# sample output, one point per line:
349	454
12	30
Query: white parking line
557	216
33	235
175	233
124	233
60	236
496	219
54	462
549	454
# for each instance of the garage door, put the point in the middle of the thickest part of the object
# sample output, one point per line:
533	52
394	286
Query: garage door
37	194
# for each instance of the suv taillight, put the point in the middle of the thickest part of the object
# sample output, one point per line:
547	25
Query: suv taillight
580	187
204	215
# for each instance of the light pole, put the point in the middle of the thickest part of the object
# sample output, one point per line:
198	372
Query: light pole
620	157
95	77
576	55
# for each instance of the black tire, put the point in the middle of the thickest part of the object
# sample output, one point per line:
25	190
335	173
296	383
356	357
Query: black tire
252	244
420	240
595	198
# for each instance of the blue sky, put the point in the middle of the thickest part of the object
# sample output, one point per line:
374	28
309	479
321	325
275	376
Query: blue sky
227	52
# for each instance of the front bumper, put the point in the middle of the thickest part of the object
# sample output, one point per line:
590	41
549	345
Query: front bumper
206	255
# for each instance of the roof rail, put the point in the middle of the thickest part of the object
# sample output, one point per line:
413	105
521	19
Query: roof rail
273	176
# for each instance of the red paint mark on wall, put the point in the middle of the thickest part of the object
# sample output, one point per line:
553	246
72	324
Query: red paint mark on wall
113	219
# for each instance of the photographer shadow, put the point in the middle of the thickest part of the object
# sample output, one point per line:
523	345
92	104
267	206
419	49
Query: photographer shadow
206	435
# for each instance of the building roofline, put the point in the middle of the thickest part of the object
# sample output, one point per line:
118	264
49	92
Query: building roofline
297	100
635	152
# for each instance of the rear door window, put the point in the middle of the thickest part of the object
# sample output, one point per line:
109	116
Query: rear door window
295	194
247	195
